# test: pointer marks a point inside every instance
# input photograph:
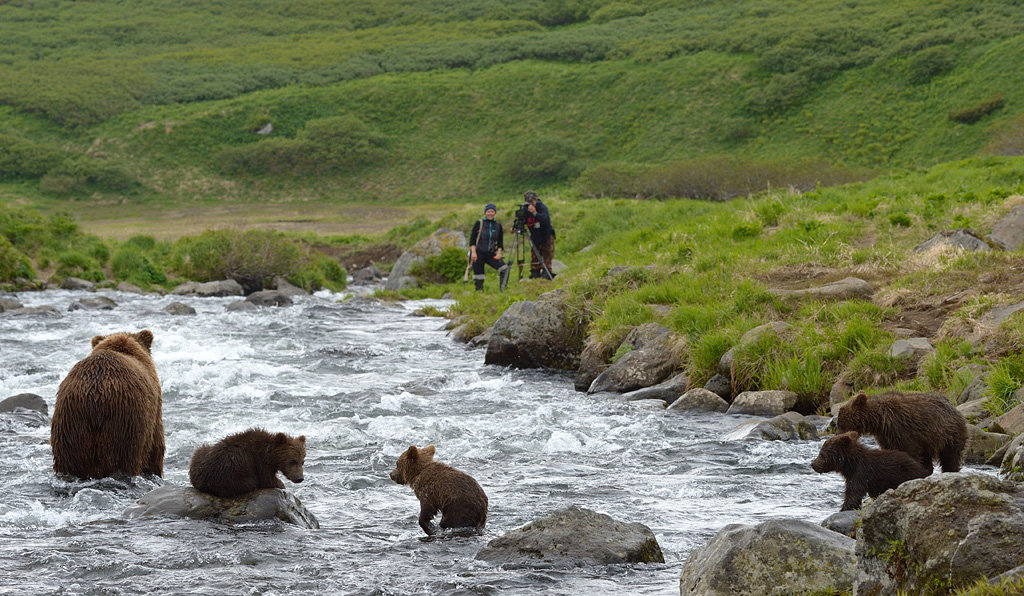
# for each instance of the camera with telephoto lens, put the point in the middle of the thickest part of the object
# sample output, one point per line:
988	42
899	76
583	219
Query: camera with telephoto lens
522	215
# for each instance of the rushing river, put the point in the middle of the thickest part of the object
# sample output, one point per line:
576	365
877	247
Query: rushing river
362	381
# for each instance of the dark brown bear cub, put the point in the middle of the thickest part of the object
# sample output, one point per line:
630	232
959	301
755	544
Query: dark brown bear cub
867	471
440	487
925	425
108	418
247	461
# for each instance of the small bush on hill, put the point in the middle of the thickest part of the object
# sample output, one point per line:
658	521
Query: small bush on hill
13	264
1009	140
321	271
22	158
977	112
129	264
446	267
930	63
83	174
616	10
74	263
221	254
543	158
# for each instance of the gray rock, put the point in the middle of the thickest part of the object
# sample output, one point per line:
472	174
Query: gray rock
25	401
535	334
975	412
948	530
95	303
481	340
179	308
839	393
367	275
9	304
962	238
727	362
574	537
844	522
1011	422
701	400
653	356
844	289
37	311
227	287
241	306
129	288
790	426
784	556
991	320
667	391
975	390
763	403
593	360
558	267
434	245
720	385
1011	464
76	283
285	287
1008	233
981	445
911	349
185	501
269	298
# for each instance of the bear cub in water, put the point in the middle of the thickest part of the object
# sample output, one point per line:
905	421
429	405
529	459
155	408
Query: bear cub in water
247	461
440	487
867	471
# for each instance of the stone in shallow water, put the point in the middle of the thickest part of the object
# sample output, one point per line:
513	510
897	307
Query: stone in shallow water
185	501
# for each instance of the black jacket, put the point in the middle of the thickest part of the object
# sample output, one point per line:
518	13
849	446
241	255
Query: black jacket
540	224
490	238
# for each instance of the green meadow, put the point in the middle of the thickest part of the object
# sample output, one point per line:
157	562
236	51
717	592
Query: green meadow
720	149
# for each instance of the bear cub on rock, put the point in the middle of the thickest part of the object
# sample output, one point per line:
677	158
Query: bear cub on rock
247	461
925	425
440	487
108	417
867	471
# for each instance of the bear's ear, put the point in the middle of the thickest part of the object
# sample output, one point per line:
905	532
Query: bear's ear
411	453
145	337
854	436
860	399
97	339
428	451
302	439
280	438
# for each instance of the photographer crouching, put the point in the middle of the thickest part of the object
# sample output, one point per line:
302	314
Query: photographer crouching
486	247
542	234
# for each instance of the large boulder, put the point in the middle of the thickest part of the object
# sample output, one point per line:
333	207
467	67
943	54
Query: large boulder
227	287
1011	462
179	308
763	403
1012	422
95	303
1008	233
27	408
535	334
982	445
9	304
185	501
432	246
655	353
76	283
269	298
668	391
942	532
574	537
844	289
963	239
593	360
784	556
699	399
790	426
283	286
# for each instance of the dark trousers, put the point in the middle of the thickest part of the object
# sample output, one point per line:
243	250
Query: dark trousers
547	252
486	258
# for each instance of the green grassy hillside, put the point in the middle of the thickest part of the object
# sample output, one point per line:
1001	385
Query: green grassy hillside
161	102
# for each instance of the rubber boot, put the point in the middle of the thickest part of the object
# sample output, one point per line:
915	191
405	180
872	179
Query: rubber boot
534	274
503	277
479	284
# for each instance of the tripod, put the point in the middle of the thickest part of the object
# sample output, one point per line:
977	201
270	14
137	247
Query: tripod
519	251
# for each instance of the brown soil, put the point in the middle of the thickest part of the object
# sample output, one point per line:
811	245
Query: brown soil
353	259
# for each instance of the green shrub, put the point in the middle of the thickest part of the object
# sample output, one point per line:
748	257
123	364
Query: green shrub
1004	380
768	211
321	272
85	174
74	263
612	180
977	112
13	264
616	10
536	159
273	157
22	158
129	264
745	230
900	220
447	267
221	254
930	63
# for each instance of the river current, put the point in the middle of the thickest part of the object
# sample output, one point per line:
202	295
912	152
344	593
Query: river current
363	381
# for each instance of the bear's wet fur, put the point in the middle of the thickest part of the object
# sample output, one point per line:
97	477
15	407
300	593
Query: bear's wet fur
108	417
440	487
243	462
866	471
924	425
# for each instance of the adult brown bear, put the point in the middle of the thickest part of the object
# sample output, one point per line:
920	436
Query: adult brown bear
440	487
924	425
108	418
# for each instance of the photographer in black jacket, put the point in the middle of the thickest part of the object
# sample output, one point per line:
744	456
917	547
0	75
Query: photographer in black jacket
485	247
542	234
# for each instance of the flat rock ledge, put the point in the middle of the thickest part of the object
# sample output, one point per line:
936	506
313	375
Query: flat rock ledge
785	556
573	537
185	501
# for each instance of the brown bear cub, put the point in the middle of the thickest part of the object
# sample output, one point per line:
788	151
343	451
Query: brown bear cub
108	417
925	425
440	487
867	471
247	461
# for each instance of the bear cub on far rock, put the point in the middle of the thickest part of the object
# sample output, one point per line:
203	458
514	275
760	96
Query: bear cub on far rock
247	461
867	471
440	487
925	425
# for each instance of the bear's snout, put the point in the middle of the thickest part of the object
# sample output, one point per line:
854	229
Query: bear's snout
395	477
817	465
